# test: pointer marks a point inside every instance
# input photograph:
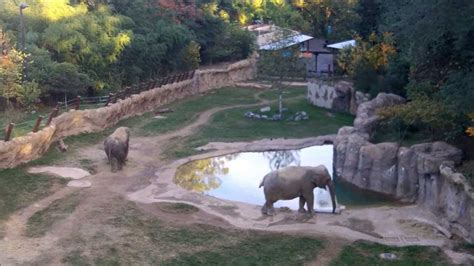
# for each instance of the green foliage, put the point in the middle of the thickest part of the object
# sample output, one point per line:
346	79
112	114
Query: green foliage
369	12
332	20
190	57
427	115
221	41
28	93
54	77
368	61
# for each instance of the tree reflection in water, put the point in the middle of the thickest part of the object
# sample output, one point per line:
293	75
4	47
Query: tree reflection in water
202	175
282	159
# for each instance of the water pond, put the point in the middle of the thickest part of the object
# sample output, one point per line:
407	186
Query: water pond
237	176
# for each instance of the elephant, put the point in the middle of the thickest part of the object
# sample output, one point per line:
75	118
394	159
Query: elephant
296	181
116	148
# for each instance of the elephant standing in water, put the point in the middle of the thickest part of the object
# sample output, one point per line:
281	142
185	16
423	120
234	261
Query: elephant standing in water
296	181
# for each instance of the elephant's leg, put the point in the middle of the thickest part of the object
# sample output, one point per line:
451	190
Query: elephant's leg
302	202
264	208
269	206
310	202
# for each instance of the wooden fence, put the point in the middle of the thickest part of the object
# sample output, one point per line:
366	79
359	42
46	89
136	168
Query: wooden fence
99	100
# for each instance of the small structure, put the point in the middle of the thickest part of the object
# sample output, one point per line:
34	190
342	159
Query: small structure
342	45
272	37
320	59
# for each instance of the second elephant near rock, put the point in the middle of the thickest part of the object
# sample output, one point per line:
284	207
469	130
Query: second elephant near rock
296	181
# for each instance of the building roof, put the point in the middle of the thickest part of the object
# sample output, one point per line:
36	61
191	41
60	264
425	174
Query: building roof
271	37
342	45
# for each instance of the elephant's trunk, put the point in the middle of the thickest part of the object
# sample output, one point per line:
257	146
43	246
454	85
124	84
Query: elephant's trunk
332	192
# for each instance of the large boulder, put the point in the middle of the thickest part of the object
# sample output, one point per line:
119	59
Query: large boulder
367	118
431	155
407	175
455	203
377	168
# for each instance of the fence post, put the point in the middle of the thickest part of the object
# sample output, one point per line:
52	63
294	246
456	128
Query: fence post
38	123
52	115
78	103
8	131
109	99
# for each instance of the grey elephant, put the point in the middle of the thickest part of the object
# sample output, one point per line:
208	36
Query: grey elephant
116	148
296	181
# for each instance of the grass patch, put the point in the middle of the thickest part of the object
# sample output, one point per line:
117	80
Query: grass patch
231	125
464	247
255	250
288	92
18	189
186	110
177	208
146	240
365	253
42	221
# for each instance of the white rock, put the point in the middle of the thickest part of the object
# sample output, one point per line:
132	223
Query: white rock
66	172
79	183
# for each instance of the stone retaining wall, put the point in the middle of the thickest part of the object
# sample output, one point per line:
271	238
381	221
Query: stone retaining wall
421	173
338	95
31	146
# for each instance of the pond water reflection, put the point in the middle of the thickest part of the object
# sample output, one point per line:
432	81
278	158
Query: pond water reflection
237	176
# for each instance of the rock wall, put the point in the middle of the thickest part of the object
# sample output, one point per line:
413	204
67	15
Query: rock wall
335	95
421	173
31	146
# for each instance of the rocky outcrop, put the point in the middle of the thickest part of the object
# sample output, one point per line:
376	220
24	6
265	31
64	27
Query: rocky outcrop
421	173
335	95
366	118
31	146
449	196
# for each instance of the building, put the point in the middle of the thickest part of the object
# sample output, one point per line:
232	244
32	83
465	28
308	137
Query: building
320	59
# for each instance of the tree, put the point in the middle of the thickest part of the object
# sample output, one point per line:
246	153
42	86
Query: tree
281	63
368	61
333	20
369	13
12	86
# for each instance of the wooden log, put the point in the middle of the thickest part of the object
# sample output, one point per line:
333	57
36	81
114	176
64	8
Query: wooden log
62	147
37	124
78	103
52	115
8	131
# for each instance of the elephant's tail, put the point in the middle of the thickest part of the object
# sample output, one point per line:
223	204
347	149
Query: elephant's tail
261	183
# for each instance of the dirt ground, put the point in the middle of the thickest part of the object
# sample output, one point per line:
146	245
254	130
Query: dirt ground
147	180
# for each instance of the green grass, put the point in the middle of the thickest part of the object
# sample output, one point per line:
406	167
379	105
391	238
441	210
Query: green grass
18	189
255	250
42	221
231	125
178	208
288	92
185	111
149	241
366	253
